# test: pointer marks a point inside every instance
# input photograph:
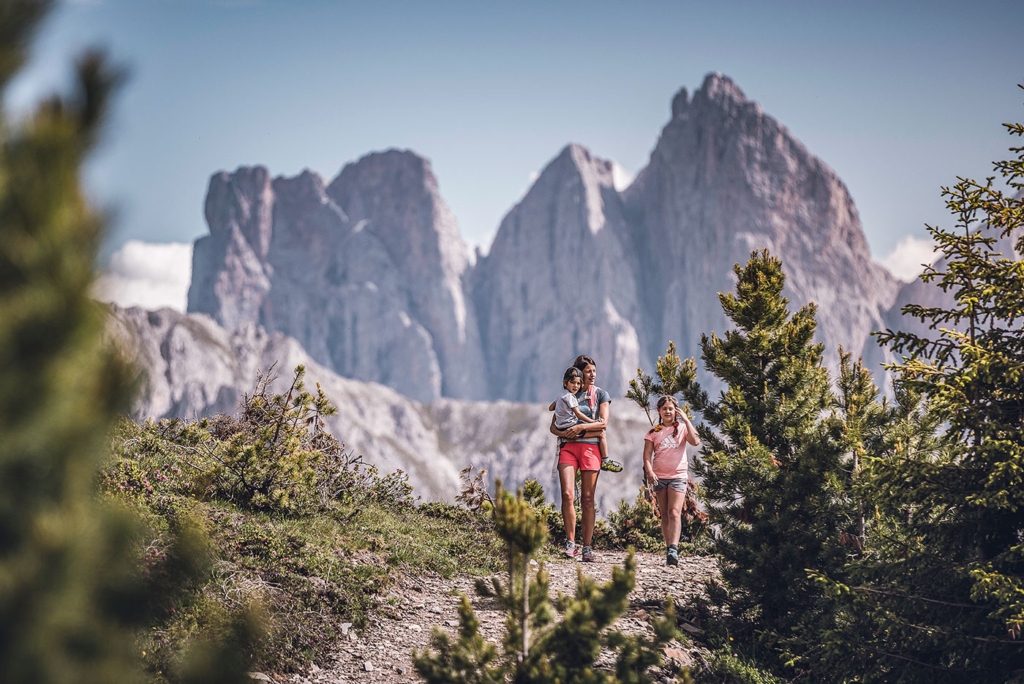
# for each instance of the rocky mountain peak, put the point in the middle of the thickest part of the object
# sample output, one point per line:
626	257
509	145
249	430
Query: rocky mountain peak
721	90
718	93
243	200
680	103
366	272
725	178
307	187
394	194
559	281
588	176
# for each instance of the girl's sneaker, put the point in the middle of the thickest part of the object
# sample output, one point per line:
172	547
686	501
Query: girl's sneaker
588	555
611	466
672	556
571	550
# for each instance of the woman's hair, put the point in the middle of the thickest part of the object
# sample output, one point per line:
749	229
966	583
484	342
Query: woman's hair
661	402
570	373
582	361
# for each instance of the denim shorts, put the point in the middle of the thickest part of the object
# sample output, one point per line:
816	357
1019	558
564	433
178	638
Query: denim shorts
678	484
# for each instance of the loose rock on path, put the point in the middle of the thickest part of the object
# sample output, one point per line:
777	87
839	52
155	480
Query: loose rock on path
414	605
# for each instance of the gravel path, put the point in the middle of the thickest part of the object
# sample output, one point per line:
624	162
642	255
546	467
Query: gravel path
383	652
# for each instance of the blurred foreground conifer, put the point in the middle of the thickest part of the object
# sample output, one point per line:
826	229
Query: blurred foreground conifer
70	589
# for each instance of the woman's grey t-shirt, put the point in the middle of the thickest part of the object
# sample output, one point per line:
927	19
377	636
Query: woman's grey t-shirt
602	397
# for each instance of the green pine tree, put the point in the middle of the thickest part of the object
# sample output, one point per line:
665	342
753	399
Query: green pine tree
940	595
859	417
772	471
71	594
537	649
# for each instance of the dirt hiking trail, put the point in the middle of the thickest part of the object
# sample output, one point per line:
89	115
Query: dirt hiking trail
405	616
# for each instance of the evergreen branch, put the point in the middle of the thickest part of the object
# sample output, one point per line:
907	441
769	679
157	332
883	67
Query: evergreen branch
909	597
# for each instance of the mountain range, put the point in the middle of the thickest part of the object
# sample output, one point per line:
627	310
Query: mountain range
431	351
370	274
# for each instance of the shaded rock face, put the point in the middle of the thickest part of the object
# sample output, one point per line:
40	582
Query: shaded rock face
560	280
371	276
192	366
366	274
725	179
394	197
229	275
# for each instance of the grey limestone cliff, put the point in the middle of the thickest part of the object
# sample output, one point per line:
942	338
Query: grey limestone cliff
724	179
366	274
561	279
578	267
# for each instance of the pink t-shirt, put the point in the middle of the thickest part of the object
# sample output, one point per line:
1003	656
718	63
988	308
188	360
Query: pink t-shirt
669	457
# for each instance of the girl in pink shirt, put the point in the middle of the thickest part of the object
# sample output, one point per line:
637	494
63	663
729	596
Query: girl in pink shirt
666	469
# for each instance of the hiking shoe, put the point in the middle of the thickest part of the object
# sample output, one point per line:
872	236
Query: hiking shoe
672	557
588	555
571	550
611	466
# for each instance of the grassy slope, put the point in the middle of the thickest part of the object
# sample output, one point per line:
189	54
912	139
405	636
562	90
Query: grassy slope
305	574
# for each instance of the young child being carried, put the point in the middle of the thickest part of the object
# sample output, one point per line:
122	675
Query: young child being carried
567	414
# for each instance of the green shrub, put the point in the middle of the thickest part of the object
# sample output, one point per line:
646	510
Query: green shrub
75	584
275	456
725	667
636	525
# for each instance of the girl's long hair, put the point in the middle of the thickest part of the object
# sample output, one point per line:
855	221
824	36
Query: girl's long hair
661	402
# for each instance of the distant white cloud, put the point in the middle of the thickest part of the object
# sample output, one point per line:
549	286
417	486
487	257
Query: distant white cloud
147	274
621	178
907	259
534	175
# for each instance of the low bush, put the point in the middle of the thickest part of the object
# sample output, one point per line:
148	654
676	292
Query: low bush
636	525
275	456
724	667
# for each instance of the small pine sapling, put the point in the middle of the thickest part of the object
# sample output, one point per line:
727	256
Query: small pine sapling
673	375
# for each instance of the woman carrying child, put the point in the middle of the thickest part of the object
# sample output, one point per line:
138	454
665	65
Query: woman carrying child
666	469
582	451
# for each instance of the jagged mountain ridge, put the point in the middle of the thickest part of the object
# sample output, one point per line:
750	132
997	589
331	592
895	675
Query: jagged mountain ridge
369	282
371	276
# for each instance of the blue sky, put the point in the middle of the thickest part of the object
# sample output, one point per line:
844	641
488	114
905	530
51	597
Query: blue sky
898	98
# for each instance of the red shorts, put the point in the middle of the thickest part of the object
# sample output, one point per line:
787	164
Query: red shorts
582	456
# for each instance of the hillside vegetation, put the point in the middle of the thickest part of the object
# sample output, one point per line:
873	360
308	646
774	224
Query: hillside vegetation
291	525
265	514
